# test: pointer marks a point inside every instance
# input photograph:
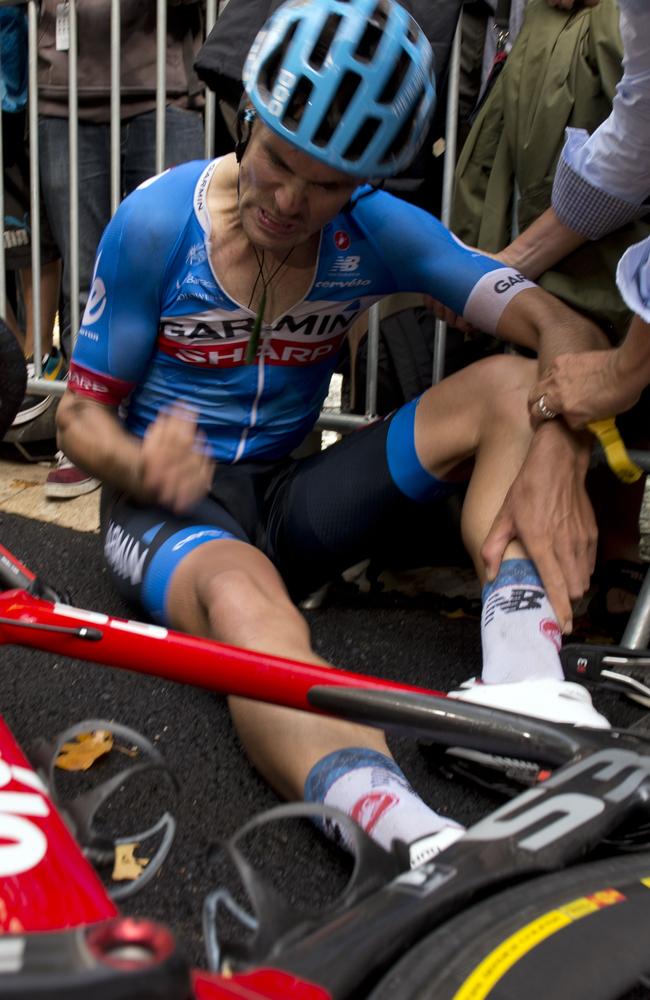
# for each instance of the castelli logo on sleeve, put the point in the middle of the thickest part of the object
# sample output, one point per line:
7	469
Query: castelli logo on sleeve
341	239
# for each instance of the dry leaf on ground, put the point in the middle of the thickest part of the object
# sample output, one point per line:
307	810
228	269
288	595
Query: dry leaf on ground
127	867
80	754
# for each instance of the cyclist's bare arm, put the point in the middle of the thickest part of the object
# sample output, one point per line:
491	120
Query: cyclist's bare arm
169	466
538	320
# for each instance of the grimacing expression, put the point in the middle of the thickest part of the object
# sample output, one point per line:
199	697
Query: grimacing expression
285	195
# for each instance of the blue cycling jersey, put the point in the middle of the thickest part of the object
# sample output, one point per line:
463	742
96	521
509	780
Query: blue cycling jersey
158	328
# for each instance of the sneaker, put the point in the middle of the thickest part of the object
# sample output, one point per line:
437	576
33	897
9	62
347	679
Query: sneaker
541	698
53	369
66	481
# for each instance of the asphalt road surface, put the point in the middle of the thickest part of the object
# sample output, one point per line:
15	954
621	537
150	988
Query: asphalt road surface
385	635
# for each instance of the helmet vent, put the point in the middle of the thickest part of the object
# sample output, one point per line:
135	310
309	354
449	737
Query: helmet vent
324	41
369	43
401	139
296	107
413	33
396	79
364	136
269	70
338	105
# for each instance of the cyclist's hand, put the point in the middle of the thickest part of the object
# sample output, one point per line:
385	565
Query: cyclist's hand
175	466
583	387
547	509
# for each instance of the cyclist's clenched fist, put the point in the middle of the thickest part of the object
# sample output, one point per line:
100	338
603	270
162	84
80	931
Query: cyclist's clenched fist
176	468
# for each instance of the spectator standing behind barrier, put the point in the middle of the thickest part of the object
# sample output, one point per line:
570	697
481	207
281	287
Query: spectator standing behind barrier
183	131
602	182
17	230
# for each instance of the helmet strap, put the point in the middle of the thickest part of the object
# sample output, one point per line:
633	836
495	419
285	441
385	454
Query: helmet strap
246	116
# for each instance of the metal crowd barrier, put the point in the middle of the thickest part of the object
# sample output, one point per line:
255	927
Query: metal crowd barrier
332	421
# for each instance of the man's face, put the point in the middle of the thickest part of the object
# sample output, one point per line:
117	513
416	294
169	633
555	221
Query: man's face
285	196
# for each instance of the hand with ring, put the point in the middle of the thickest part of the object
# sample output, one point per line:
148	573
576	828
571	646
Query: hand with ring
545	411
588	386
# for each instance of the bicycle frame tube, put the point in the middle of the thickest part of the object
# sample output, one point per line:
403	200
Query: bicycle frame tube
152	649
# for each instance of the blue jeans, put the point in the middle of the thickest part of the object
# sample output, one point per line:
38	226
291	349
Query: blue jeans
183	141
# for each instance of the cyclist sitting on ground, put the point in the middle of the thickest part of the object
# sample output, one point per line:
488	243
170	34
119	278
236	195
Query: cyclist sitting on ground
221	296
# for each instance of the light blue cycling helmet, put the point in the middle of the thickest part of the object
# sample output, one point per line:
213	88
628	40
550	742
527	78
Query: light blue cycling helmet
348	81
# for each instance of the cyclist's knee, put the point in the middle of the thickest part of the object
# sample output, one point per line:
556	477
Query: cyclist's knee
504	384
504	372
253	612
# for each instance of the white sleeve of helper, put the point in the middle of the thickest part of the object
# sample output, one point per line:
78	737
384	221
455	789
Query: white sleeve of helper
603	179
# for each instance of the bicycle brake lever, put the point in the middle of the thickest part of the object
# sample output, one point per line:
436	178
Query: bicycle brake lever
582	661
614	667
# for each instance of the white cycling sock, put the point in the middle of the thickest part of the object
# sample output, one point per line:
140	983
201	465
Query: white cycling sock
371	788
519	631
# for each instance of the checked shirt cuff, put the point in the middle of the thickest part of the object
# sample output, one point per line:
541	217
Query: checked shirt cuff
589	210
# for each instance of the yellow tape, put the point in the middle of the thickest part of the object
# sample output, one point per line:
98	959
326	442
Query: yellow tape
494	966
612	444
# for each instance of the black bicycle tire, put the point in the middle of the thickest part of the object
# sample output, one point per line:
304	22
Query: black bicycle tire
13	377
462	958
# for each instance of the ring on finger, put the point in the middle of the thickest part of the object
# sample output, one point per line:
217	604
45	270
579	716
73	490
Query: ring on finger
545	411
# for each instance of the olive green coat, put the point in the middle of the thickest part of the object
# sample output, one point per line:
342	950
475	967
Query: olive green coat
562	71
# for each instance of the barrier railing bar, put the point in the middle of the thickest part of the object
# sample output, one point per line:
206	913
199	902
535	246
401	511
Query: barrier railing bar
161	88
372	363
451	134
210	96
34	197
3	274
116	124
73	132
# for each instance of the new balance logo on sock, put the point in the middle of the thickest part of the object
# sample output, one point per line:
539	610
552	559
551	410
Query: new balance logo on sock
518	630
519	599
368	810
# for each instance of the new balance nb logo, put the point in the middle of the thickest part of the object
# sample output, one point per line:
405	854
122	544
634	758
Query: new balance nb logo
519	599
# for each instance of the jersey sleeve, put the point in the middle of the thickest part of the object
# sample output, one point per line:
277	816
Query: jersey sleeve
120	323
424	256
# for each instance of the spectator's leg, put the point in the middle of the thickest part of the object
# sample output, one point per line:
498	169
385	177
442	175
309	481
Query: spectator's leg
50	287
183	142
94	199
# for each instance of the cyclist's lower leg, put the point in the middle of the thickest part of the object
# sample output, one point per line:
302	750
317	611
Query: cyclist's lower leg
231	592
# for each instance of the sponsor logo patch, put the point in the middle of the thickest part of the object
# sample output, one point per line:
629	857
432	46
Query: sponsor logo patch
342	240
123	554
